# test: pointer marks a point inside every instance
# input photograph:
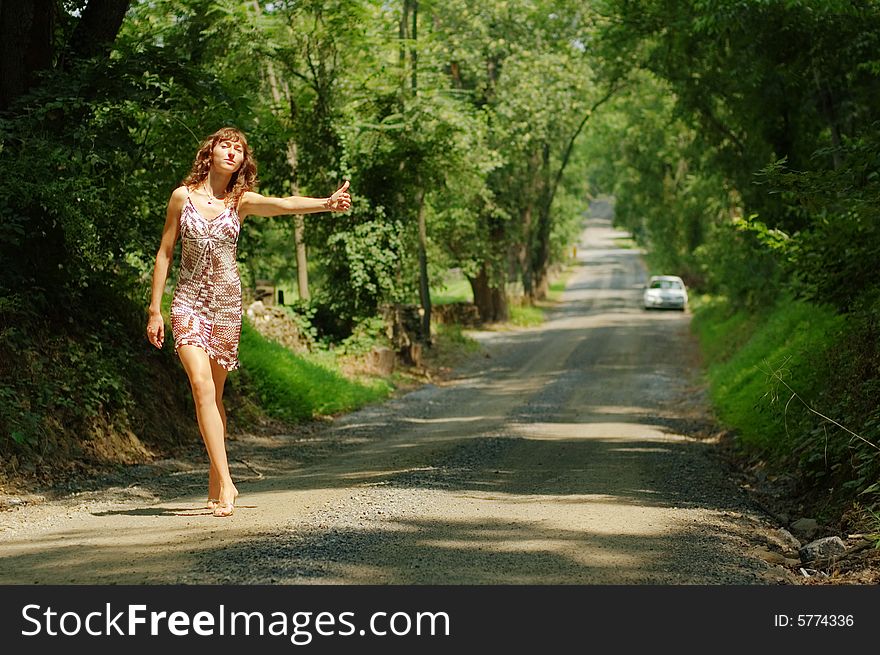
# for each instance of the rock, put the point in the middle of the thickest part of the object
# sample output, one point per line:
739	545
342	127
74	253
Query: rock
276	324
805	528
788	539
824	548
20	500
777	575
256	309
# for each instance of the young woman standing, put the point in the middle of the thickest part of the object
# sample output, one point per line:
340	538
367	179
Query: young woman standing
206	213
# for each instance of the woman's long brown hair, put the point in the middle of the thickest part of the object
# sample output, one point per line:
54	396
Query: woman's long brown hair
244	179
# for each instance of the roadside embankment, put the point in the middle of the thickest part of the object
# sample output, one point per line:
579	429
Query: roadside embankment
796	383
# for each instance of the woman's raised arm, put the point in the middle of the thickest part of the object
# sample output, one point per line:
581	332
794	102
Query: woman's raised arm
257	205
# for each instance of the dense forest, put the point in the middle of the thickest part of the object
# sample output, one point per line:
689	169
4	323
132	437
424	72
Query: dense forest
740	140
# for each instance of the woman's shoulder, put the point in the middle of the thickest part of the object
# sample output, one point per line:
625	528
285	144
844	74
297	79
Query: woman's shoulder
178	197
249	196
180	193
245	202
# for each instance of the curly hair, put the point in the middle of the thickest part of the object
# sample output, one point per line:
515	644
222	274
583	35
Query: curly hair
244	179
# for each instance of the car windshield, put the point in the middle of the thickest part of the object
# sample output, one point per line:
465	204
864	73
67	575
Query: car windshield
665	284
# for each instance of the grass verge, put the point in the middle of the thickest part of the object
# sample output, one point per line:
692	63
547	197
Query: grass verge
293	388
750	355
526	315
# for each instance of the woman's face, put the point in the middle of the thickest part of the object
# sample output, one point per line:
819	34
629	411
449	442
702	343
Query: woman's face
228	155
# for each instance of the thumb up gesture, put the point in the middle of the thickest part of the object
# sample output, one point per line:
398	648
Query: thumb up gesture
340	201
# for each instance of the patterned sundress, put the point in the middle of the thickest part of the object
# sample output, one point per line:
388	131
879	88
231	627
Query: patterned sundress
206	306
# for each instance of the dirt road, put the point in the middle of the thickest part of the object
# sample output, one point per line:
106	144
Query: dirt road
556	456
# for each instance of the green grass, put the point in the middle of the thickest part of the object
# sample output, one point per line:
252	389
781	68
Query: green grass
293	388
742	351
526	315
557	286
451	346
625	243
453	336
454	291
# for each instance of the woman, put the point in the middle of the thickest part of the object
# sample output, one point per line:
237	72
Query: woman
206	211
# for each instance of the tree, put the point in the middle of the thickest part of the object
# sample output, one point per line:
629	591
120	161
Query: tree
30	39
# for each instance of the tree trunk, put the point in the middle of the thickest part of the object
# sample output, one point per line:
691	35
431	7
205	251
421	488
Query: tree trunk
424	286
299	229
541	269
302	262
499	301
491	301
26	31
523	253
541	245
455	73
827	101
403	34
97	28
282	96
413	53
549	186
531	194
542	284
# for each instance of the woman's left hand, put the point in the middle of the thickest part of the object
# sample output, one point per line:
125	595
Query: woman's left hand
340	201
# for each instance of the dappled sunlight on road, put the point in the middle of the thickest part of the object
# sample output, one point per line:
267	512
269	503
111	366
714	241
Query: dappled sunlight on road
600	430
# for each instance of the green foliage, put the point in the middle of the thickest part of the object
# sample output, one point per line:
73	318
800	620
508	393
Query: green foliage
797	107
302	313
363	267
874	535
89	158
649	159
833	259
745	158
367	334
740	264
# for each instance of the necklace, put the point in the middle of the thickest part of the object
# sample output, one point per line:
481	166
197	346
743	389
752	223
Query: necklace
210	195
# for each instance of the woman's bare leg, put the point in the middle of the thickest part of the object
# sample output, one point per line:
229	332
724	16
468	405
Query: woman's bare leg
218	374
198	368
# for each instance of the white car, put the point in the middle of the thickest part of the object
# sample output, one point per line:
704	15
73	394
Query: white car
665	291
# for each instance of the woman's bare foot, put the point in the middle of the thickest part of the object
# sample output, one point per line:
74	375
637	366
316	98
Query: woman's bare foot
226	505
